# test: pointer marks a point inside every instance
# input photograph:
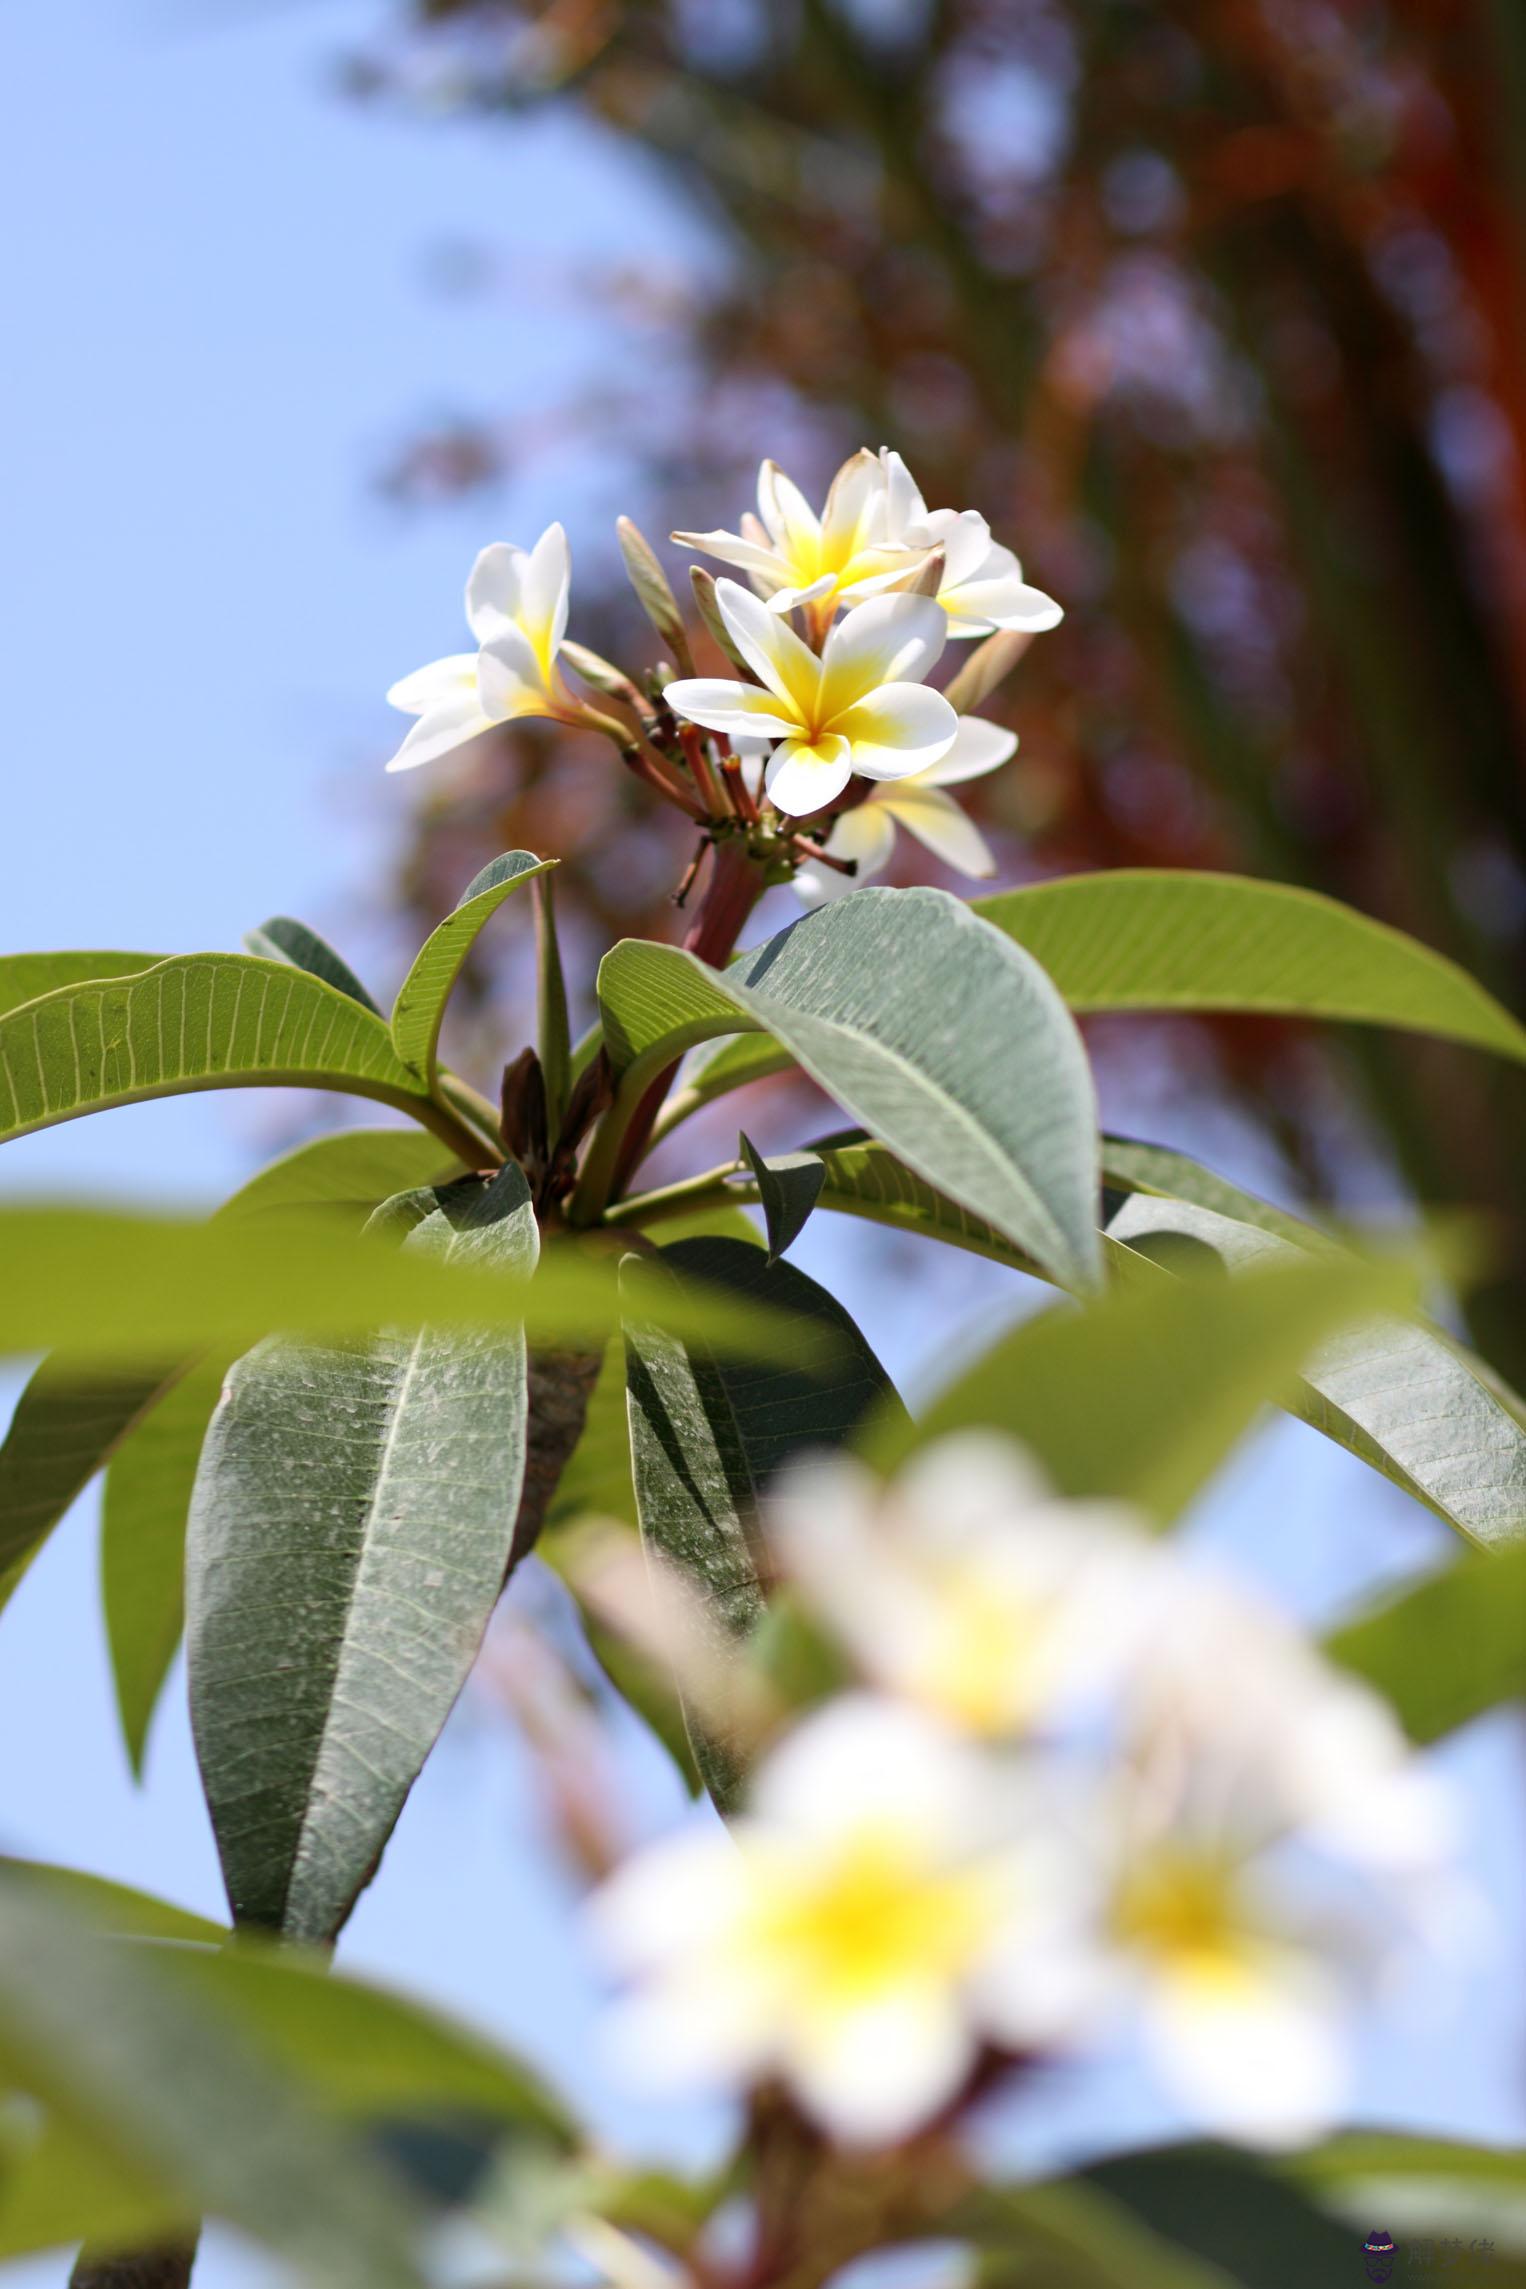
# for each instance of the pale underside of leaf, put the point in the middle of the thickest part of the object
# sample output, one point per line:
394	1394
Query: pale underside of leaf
420	1007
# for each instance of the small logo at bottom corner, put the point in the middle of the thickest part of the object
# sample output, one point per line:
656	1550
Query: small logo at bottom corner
1378	2253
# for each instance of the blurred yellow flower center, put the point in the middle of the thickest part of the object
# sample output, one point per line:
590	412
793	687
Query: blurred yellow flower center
979	1665
872	1917
1183	1907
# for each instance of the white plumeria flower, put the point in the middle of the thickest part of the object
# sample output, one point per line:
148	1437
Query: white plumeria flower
516	607
917	803
886	1905
1251	1761
858	706
793	556
967	1584
982	587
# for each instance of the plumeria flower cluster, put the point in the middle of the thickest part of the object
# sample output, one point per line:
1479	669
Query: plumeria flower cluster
1076	1784
829	735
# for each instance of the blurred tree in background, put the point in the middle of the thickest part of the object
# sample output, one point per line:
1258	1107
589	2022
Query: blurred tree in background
1218	309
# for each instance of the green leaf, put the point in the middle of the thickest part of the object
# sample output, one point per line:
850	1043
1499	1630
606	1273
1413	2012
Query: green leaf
788	1186
283	939
112	1286
1233	2212
1073	2235
143	1521
420	1007
26	977
1450	1648
862	1179
69	1421
113	2038
111	1906
350	1531
1129	1166
149	1482
196	1021
1099	1394
1160	939
1396	1392
916	1018
706	1436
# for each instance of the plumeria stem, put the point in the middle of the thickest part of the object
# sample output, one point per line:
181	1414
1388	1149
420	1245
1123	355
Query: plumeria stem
716	1188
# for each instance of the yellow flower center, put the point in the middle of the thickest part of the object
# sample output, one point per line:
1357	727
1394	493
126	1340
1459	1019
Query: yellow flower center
1183	1908
979	1665
872	1918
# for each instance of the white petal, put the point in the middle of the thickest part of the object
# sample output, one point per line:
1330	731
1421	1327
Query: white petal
865	1758
898	729
1007	602
770	647
544	597
675	1896
792	522
855	501
1261	2058
438	732
510	680
786	599
866	834
904	503
941	827
965	539
803	774
442	682
891	639
873	2075
493	589
978	747
720	705
757	557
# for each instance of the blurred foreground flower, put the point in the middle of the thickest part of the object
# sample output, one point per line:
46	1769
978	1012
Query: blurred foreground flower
1168	1820
860	706
878	1912
516	607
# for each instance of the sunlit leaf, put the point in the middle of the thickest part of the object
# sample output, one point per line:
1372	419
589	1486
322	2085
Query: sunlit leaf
350	1531
420	1007
196	1021
26	977
1161	939
1144	1391
1448	1649
1396	1392
916	1019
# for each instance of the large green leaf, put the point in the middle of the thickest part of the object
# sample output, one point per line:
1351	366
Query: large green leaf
25	977
283	939
1448	1649
861	1178
149	1482
197	1021
112	1286
1234	2212
918	1019
1394	1391
420	1007
137	2064
1073	2235
1162	939
1143	1393
350	1530
706	1436
69	1420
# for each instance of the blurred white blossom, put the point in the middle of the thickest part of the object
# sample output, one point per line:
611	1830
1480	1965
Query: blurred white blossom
884	1906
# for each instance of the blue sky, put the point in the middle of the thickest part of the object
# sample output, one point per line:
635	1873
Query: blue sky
218	325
